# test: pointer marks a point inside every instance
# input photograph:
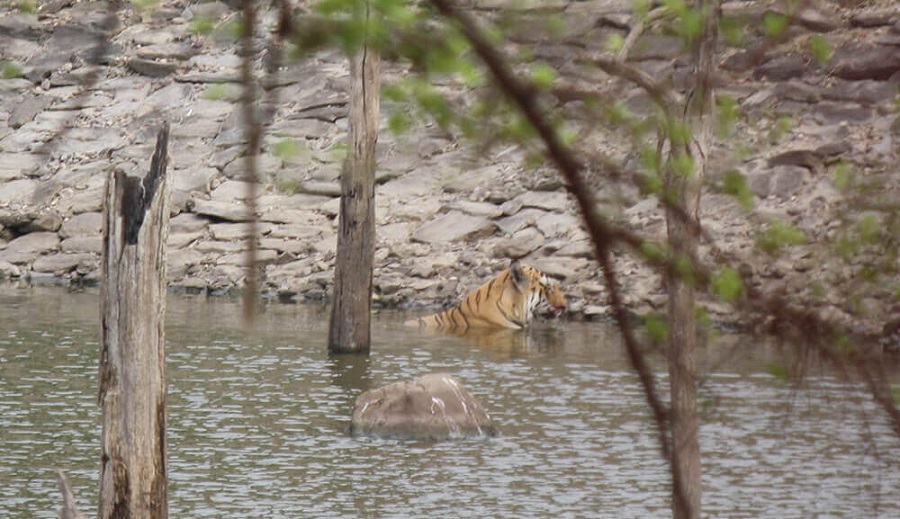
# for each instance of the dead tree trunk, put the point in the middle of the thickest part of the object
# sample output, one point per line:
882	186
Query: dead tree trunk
350	325
683	225
132	345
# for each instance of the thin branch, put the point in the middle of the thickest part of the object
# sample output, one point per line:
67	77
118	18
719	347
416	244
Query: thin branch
638	29
600	229
253	129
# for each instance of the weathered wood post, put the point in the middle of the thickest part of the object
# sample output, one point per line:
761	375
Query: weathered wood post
350	324
132	342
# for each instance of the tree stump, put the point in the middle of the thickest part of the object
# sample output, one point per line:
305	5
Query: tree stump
132	345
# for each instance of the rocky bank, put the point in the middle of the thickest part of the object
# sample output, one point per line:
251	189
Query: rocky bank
448	215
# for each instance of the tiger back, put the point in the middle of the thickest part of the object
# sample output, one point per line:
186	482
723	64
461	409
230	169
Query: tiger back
509	300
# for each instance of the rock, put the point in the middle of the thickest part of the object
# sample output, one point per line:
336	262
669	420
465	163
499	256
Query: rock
90	224
520	220
787	180
77	244
556	201
194	180
865	92
859	60
46	221
8	270
434	406
783	68
62	264
555	225
28	247
521	244
187	223
228	211
26	110
152	68
485	209
834	113
453	226
17	190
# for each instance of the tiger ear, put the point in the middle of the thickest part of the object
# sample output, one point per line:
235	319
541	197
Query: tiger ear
518	275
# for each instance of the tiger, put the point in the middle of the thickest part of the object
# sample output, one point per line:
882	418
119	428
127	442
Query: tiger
509	300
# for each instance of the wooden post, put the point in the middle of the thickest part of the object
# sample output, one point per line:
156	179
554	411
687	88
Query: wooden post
350	324
132	342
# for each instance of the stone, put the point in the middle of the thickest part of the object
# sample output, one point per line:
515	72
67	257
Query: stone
90	224
28	247
787	180
434	406
14	166
61	264
152	68
220	210
26	110
865	92
555	225
555	201
485	209
8	270
192	180
828	112
520	244
17	190
859	60
238	231
656	47
76	244
520	220
47	221
783	68
453	226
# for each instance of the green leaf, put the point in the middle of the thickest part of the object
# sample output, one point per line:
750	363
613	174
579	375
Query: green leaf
774	24
735	184
543	75
684	269
728	284
656	327
202	25
895	394
691	24
653	252
682	164
217	91
614	42
286	149
842	175
820	49
10	70
728	112
651	183
398	122
778	235
27	6
868	229
731	30
567	135
777	370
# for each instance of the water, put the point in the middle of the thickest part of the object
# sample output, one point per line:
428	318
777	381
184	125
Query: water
258	421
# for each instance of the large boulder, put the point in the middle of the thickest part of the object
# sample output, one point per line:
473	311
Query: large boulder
433	406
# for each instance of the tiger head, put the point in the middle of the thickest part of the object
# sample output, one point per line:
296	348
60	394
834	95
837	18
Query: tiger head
539	288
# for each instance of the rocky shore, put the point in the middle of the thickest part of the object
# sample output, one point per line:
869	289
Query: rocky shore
448	215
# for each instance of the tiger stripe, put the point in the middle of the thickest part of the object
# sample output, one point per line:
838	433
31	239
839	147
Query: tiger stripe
508	300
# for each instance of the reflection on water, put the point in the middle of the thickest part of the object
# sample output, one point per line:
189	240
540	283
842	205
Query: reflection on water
258	423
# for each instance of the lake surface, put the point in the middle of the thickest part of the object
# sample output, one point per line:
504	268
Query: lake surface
258	422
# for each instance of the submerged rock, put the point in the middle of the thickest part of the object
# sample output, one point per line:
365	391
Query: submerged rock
433	406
